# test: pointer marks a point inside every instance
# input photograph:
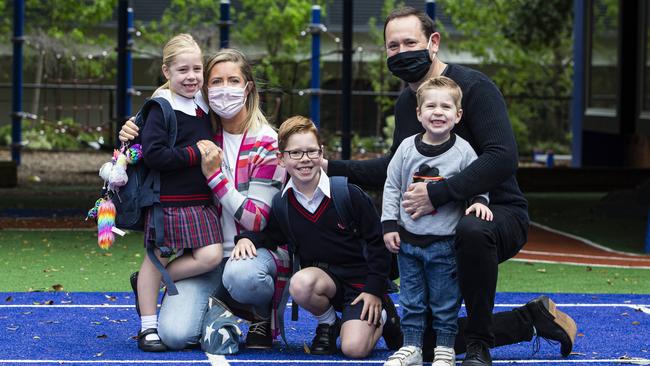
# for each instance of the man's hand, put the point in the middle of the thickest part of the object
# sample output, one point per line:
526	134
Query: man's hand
129	130
392	241
371	307
416	200
211	157
243	250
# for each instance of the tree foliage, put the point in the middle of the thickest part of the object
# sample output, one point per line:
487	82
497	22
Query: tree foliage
529	44
61	33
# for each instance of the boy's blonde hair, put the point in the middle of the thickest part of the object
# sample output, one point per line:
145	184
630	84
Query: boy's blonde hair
179	44
294	125
441	82
255	119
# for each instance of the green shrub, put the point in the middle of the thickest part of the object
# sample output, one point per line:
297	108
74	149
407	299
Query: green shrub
61	135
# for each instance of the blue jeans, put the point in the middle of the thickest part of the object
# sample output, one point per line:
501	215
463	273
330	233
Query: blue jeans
429	282
180	317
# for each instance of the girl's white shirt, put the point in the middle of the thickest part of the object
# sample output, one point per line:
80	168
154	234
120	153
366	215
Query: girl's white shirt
185	105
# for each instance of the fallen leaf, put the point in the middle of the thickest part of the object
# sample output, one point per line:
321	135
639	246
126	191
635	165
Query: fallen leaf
110	298
36	337
636	323
589	269
305	347
102	336
13	328
99	354
57	287
9	299
48	302
542	270
625	314
581	334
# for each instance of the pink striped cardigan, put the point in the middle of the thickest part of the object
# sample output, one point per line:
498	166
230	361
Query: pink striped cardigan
258	177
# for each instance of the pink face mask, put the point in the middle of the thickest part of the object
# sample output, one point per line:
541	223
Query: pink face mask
227	101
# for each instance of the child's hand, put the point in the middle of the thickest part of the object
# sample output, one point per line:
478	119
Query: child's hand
244	249
392	241
371	307
129	130
482	211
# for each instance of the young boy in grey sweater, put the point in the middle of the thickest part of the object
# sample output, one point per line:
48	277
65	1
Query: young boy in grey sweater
427	261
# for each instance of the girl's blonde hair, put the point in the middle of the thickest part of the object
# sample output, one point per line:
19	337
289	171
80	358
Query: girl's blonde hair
179	44
255	118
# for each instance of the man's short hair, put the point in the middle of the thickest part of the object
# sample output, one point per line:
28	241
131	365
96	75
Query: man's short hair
294	125
441	82
427	24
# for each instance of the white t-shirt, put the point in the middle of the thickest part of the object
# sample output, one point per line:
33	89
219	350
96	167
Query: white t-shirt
231	144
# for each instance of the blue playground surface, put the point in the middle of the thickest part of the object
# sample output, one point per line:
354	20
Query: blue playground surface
52	328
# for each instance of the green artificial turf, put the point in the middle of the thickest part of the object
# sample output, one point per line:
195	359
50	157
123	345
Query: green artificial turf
67	260
71	261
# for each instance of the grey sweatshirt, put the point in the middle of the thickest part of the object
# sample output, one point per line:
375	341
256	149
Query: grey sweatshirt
422	162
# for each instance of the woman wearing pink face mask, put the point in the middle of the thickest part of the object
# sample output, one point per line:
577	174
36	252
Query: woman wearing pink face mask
242	170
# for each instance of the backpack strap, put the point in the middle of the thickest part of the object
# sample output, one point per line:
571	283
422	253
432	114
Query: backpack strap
343	203
280	209
153	180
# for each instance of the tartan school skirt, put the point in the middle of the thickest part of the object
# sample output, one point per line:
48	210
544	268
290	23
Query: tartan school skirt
187	227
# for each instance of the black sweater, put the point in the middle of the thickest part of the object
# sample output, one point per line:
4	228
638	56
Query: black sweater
321	237
181	181
485	125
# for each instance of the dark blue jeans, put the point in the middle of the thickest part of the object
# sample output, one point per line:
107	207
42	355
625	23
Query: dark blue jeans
428	282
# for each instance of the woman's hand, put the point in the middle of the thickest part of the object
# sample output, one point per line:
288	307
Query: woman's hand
129	130
243	250
211	157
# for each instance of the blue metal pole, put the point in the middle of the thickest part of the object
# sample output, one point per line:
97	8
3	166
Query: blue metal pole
578	98
224	24
129	62
431	9
17	80
315	27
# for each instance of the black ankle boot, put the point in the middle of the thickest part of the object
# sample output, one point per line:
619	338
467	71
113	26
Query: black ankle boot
477	354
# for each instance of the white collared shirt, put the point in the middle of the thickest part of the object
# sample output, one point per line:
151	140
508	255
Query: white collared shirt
185	105
322	190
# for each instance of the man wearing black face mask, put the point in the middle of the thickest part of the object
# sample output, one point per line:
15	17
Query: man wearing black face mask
412	47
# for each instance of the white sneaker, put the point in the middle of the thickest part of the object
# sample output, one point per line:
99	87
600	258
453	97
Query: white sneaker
405	356
444	356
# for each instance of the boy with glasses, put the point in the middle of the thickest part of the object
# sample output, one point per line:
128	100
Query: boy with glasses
335	274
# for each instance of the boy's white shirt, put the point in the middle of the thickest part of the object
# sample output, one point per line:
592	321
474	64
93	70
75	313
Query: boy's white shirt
322	190
185	105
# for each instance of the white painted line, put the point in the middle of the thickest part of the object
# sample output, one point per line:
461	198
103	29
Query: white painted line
217	360
555	254
577	263
604	305
627	360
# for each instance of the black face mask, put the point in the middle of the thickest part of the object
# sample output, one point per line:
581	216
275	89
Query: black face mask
410	66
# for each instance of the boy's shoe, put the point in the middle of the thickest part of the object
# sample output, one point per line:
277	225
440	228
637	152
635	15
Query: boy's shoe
134	287
553	324
153	345
392	332
444	356
405	356
324	342
259	335
477	354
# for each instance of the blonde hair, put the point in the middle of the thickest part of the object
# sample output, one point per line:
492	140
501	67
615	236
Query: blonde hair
255	118
294	125
179	44
441	82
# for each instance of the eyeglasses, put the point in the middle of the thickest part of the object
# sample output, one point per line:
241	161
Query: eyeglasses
298	154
